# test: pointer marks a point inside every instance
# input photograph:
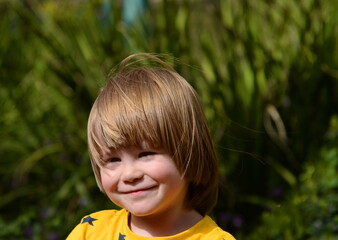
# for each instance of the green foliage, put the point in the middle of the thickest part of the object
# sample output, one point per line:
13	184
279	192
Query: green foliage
311	209
266	72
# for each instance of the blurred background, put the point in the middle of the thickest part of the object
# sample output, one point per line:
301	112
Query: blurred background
267	75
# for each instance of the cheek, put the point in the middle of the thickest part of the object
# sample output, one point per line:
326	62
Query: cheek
108	181
164	172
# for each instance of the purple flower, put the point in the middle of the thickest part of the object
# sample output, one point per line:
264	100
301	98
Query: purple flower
83	201
237	222
53	236
46	212
28	231
276	193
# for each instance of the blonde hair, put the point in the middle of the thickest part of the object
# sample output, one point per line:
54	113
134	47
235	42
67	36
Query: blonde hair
156	105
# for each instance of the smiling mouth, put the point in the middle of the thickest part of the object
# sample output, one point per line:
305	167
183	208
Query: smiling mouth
139	191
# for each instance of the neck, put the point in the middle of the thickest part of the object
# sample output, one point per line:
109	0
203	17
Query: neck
165	224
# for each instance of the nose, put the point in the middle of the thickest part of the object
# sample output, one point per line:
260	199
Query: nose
131	172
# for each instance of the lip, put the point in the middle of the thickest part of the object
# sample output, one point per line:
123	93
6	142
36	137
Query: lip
138	191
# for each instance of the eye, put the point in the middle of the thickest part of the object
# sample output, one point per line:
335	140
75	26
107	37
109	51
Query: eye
146	154
114	159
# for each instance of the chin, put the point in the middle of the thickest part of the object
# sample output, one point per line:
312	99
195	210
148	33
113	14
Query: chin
141	212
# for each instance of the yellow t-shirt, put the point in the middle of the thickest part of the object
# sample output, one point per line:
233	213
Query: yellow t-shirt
113	225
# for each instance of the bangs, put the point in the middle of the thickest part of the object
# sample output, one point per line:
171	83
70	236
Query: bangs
132	109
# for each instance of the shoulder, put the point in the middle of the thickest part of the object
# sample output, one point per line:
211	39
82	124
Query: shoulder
97	223
213	231
104	214
223	235
102	217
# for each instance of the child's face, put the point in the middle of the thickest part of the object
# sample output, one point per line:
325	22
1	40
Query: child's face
143	180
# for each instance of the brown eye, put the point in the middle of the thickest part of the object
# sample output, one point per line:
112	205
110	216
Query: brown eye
145	154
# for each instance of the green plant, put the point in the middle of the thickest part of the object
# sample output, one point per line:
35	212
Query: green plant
265	70
310	211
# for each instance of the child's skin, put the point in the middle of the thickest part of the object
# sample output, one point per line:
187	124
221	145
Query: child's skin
146	181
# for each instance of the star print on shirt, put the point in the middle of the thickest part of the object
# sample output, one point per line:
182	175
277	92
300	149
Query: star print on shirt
121	237
89	220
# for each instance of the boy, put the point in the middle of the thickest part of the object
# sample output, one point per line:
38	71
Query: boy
152	155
